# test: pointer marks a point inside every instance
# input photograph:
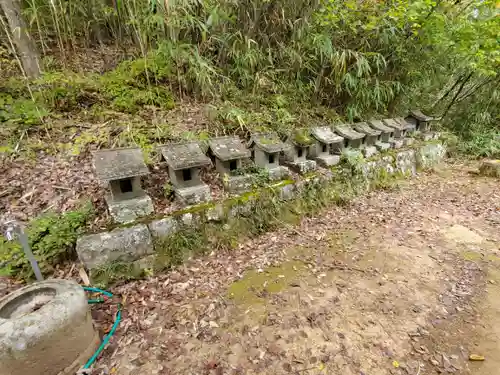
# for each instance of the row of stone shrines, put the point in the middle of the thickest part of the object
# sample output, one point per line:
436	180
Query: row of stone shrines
301	151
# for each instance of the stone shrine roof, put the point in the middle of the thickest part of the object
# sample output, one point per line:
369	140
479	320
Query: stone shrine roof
228	148
301	138
406	124
268	142
364	128
379	125
393	123
184	155
325	135
119	163
420	116
346	132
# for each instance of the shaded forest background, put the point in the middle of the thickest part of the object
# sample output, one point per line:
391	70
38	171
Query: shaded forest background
148	71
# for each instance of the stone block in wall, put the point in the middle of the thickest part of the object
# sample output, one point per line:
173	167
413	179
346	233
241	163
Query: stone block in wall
238	184
164	227
287	192
303	167
387	164
406	162
369	151
119	245
369	168
278	173
128	210
242	208
215	213
194	194
430	155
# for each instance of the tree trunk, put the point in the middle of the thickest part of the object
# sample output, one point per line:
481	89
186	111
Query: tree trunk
26	48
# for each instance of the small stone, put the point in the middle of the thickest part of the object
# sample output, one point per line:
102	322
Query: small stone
490	168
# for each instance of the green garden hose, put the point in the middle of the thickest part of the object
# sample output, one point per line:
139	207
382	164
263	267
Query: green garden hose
106	338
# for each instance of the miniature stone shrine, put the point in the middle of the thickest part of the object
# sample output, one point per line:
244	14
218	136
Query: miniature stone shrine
400	130
410	129
420	121
352	138
229	152
185	161
326	143
121	169
300	142
387	133
266	149
372	136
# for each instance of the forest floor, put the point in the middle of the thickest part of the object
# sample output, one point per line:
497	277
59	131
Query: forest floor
401	281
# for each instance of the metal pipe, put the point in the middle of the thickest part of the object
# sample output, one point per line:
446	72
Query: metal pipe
15	227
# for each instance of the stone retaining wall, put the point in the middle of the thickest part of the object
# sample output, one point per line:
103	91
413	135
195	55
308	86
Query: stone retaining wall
132	243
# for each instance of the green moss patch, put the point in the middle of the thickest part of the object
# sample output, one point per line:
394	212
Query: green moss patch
256	285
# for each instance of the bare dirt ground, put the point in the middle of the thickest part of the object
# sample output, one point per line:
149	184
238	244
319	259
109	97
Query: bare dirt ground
402	281
405	281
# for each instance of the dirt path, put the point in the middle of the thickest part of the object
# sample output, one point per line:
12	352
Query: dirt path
405	281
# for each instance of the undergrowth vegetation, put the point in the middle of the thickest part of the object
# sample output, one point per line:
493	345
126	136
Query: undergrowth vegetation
257	64
52	238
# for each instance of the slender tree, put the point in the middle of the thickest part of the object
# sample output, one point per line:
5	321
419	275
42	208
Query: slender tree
25	47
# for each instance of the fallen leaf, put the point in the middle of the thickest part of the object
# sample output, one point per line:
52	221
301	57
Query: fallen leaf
475	357
395	364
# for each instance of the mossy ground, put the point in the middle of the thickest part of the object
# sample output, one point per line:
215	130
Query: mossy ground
256	285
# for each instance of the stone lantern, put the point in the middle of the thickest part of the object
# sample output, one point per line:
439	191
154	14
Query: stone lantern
185	161
266	149
326	143
229	153
122	169
300	142
352	138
